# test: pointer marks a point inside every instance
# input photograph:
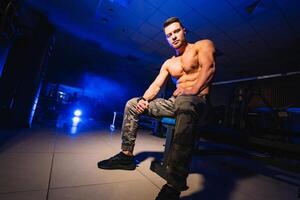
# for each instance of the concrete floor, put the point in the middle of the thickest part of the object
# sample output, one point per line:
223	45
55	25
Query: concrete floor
48	163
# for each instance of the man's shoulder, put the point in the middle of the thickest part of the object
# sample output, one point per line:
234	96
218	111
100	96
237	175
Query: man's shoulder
169	61
204	42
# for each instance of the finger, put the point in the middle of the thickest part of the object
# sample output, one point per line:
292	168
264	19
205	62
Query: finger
138	108
141	105
175	92
139	111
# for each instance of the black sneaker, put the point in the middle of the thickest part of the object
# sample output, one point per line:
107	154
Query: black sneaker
119	161
168	193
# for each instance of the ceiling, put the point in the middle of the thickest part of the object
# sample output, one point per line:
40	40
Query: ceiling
252	37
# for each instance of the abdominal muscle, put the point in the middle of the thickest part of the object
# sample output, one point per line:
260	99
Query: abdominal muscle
187	81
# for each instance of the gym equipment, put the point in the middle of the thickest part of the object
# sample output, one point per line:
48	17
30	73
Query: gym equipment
159	166
112	127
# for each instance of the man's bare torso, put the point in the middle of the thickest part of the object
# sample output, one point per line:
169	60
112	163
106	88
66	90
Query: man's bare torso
186	68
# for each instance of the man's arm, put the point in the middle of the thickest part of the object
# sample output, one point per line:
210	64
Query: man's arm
206	59
153	89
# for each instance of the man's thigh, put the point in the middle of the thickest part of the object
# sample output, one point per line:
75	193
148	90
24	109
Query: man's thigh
162	107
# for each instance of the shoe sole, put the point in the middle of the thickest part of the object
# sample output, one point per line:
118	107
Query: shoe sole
121	167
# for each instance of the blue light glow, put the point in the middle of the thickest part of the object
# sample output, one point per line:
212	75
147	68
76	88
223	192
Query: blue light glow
102	89
4	49
77	113
293	110
73	130
75	120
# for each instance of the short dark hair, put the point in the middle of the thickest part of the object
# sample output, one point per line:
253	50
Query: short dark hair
172	20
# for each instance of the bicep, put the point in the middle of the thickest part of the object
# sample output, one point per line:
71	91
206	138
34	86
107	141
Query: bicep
206	54
162	76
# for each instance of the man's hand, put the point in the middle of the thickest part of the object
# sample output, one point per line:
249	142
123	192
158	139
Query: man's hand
141	106
178	92
184	92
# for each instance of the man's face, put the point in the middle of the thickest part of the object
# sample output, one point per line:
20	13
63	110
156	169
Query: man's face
175	35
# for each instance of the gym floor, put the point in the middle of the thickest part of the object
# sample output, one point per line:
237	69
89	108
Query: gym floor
44	163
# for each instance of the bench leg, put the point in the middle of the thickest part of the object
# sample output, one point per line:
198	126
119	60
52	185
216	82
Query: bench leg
160	167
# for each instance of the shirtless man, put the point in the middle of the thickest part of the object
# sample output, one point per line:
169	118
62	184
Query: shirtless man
193	67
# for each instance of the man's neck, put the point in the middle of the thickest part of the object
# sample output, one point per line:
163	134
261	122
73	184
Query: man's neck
180	50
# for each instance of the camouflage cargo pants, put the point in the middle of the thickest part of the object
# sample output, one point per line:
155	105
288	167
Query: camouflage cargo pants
189	111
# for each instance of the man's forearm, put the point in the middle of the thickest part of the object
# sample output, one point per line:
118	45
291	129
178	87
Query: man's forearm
204	80
151	92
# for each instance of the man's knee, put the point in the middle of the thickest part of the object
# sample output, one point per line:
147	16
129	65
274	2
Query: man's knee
132	103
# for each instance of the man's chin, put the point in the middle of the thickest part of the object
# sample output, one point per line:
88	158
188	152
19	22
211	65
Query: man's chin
177	46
